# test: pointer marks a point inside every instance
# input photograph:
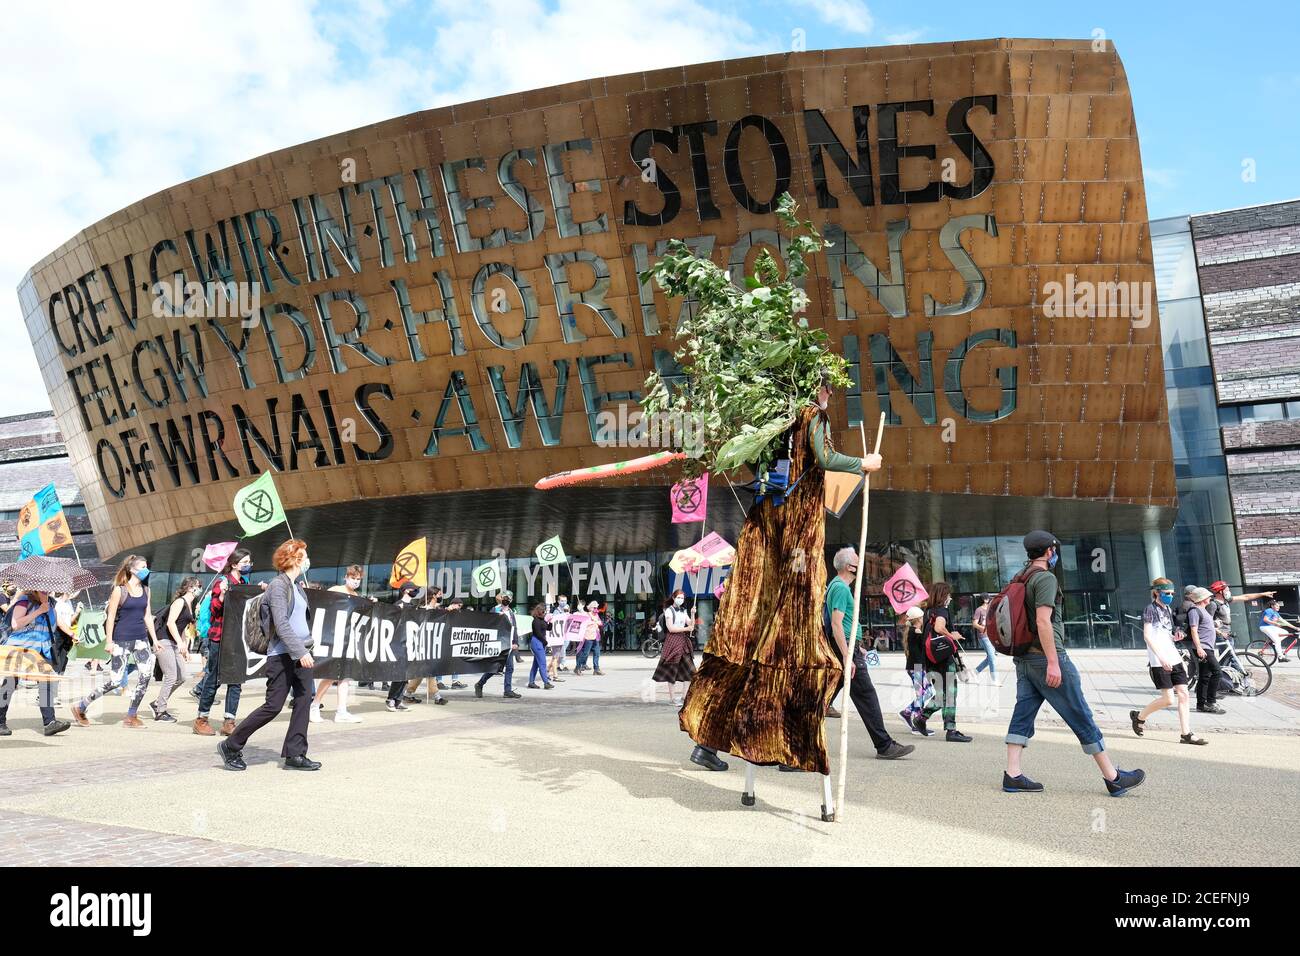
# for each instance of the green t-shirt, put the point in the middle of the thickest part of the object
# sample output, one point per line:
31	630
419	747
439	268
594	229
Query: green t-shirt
1042	590
839	597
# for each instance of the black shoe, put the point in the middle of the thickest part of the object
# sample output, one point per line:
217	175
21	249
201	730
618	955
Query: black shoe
1020	784
165	718
478	691
707	759
55	727
832	713
919	727
532	686
230	758
598	672
440	699
301	762
4	730
549	686
1125	780
412	699
441	685
1211	709
457	685
395	705
1137	724
907	719
895	750
784	768
513	695
955	736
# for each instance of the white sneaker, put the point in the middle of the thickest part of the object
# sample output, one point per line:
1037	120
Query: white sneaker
315	717
346	717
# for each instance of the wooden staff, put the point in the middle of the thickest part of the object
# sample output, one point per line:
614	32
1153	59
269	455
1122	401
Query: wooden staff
850	640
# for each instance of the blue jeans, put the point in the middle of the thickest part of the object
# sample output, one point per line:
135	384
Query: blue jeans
212	680
590	649
539	662
1067	700
508	673
989	654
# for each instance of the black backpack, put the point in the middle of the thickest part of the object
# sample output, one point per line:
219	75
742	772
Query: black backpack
1180	619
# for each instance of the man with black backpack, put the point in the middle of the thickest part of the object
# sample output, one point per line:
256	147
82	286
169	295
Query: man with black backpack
1044	672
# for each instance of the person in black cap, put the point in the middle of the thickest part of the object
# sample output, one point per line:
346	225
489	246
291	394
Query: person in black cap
1046	674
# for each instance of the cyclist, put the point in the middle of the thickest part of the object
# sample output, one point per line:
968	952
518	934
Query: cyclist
1220	607
1272	624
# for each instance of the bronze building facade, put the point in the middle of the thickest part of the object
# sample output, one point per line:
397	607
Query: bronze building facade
412	322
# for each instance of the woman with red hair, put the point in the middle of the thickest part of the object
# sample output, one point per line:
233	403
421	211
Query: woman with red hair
288	664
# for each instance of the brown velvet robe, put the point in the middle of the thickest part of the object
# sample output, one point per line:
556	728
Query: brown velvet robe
768	674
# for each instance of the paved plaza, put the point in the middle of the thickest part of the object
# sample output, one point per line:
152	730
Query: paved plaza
595	771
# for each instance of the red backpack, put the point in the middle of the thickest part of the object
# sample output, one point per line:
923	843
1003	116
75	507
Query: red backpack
1011	625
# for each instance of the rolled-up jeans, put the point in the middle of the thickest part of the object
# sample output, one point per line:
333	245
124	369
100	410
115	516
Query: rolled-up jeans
1066	699
212	681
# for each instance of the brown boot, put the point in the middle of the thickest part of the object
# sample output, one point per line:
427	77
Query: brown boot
133	722
79	716
227	727
203	728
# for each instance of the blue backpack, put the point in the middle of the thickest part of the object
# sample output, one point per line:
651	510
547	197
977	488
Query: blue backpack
203	617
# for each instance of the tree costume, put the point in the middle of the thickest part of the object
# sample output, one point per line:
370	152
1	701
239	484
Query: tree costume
751	373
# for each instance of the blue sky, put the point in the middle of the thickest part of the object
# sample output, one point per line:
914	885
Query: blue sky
213	84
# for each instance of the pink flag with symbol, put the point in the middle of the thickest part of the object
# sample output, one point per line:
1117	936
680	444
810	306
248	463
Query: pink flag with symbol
904	589
216	555
690	499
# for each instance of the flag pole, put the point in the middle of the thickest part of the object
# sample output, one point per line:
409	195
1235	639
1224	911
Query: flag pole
851	640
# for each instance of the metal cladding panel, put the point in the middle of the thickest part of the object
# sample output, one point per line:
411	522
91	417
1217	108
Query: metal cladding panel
449	301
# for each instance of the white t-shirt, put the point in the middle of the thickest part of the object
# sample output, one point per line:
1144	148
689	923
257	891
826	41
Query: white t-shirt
1160	641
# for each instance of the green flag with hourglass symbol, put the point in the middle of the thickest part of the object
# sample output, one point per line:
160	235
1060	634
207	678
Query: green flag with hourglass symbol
257	506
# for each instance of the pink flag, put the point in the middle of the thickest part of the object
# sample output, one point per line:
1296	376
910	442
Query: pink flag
904	589
719	588
690	499
216	555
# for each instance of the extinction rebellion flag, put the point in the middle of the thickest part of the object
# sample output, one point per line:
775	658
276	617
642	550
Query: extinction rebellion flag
355	638
42	526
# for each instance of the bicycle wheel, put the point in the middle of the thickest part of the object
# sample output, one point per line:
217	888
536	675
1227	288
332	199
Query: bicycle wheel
1258	676
651	647
1264	650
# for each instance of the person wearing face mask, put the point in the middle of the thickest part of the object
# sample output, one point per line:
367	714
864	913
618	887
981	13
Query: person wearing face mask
590	646
677	659
234	571
398	689
129	640
173	649
32	625
288	664
557	616
1204	635
942	673
351	585
1047	675
504	607
1165	663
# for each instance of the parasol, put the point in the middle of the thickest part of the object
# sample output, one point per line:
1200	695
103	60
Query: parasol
50	575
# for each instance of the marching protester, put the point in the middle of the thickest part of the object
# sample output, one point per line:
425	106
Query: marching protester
1047	675
537	643
234	571
1274	626
288	664
590	646
1201	627
557	616
914	714
1164	663
32	626
845	628
432	602
677	659
129	639
173	646
979	624
504	606
400	692
351	585
941	652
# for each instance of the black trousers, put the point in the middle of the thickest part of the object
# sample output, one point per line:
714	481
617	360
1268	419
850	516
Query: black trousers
863	694
397	690
282	676
1207	683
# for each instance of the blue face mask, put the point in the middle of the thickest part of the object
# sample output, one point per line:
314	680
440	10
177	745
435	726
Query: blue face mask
1166	597
1051	562
142	573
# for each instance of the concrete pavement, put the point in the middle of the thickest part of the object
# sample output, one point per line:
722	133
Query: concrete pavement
596	771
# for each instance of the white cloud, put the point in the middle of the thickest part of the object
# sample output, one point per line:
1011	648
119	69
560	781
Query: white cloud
851	16
104	105
904	37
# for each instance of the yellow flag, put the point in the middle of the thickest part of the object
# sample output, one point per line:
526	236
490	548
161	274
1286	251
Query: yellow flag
411	565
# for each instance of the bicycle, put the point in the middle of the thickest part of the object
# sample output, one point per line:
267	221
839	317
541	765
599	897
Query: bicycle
652	646
1267	650
1244	675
